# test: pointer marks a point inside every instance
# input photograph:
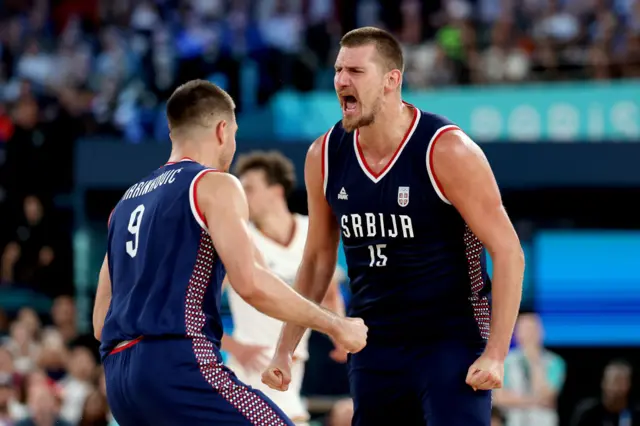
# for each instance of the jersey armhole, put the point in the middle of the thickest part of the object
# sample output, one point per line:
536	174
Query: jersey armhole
437	187
193	198
325	160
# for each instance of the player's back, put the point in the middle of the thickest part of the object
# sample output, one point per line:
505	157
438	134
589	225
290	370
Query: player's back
165	277
416	269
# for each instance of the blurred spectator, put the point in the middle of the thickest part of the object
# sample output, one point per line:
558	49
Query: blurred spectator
63	314
44	407
22	347
615	406
534	377
52	356
109	69
31	321
29	258
78	384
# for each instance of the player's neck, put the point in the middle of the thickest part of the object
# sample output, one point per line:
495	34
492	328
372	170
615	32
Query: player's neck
278	225
388	130
192	154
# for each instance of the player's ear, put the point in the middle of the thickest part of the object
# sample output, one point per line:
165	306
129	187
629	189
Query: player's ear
221	128
393	80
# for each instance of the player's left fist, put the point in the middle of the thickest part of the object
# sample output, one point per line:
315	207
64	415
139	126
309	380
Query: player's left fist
486	373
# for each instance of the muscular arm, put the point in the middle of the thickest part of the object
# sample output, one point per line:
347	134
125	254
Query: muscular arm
103	299
321	248
221	199
333	299
468	183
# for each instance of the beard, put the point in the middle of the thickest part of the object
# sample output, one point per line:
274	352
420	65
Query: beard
352	123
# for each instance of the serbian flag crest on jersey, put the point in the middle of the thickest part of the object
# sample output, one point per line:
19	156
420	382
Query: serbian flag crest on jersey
403	196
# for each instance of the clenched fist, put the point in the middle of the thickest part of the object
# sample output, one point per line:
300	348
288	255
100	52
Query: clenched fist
278	374
350	334
486	373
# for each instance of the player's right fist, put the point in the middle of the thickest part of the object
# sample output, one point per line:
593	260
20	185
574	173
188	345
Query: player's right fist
278	374
350	334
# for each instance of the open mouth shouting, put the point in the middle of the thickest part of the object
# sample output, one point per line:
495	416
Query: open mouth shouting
349	105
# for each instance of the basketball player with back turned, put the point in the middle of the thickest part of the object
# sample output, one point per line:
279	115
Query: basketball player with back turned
268	179
414	200
172	238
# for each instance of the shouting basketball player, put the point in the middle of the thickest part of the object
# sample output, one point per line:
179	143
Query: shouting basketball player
268	179
415	200
172	238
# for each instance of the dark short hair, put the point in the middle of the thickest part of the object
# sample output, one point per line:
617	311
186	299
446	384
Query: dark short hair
386	45
277	168
198	103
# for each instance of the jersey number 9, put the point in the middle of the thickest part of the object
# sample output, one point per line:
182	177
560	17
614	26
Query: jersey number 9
134	228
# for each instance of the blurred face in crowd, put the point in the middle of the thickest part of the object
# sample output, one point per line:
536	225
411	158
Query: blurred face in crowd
360	85
63	311
616	381
32	209
261	196
26	113
529	330
52	359
29	318
42	402
20	334
81	364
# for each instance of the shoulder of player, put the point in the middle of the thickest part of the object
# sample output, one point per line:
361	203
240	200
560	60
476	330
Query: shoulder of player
215	184
315	158
452	145
317	148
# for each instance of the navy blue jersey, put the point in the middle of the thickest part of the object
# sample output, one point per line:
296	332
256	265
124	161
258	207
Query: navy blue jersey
165	276
416	269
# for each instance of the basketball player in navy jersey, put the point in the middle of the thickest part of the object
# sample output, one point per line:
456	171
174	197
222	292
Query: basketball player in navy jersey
172	238
414	200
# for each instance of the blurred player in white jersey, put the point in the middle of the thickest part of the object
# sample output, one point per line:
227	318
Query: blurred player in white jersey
280	236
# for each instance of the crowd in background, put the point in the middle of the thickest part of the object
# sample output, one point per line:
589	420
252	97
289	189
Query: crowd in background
110	65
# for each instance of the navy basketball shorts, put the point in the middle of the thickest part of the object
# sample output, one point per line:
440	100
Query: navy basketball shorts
422	384
182	382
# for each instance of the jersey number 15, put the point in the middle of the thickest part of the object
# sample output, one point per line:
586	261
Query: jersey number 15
134	228
377	257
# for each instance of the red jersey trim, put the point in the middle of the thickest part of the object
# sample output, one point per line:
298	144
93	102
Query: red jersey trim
126	345
325	159
193	198
437	186
360	154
